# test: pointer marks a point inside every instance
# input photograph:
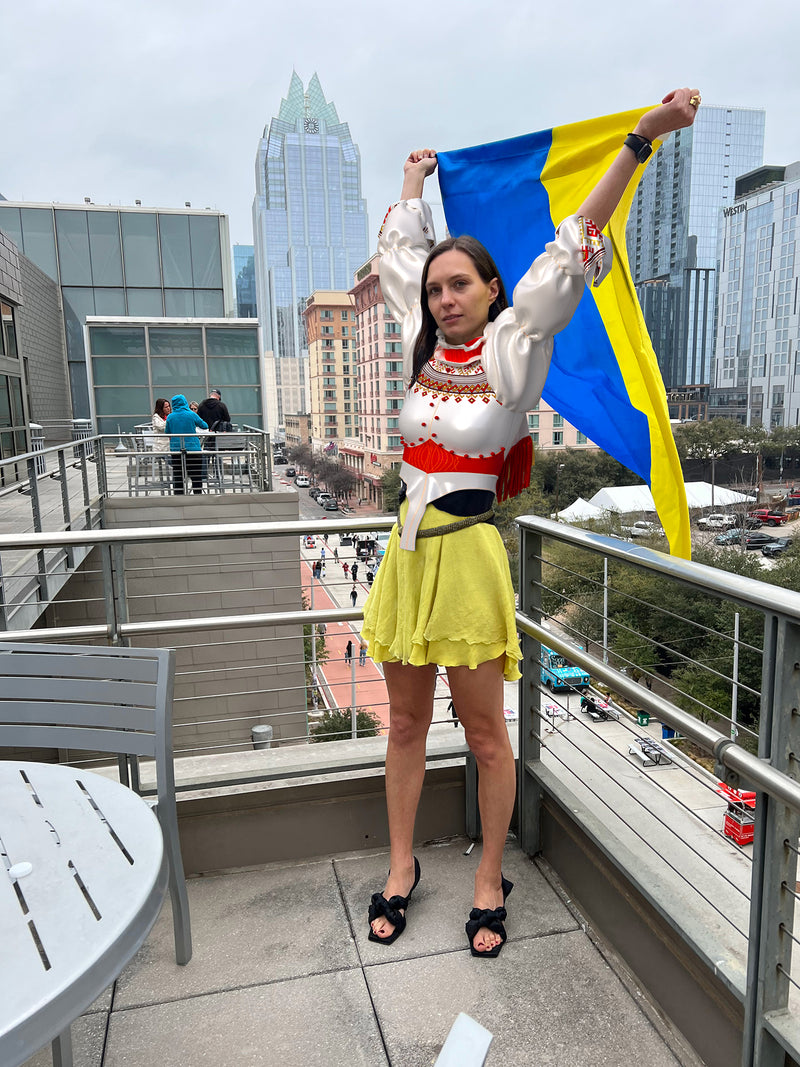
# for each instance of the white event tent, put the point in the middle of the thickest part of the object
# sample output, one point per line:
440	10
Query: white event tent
627	499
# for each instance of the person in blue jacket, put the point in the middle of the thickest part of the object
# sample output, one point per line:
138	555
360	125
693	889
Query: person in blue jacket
184	445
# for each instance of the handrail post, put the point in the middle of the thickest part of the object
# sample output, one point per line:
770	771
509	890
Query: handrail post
36	513
776	833
62	475
529	793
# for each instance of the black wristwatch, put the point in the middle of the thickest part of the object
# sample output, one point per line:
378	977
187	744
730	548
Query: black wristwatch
641	147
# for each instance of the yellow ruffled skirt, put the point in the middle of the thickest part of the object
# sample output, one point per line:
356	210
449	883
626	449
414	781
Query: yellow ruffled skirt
449	602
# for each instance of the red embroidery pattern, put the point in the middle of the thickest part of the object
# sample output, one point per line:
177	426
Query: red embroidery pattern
593	248
444	379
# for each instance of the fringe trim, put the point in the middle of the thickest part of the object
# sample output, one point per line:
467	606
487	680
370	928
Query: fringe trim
516	473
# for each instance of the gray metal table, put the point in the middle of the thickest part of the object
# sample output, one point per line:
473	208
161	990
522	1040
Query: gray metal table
82	879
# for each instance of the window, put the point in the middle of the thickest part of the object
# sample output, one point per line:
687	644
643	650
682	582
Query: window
345	317
533	422
326	315
582	438
8	336
327	329
557	420
558	437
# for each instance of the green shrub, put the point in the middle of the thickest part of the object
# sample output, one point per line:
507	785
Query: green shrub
336	725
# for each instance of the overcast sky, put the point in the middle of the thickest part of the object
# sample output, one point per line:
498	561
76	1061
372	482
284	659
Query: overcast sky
165	100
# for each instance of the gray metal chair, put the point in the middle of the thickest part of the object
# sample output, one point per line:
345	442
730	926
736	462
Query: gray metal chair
97	699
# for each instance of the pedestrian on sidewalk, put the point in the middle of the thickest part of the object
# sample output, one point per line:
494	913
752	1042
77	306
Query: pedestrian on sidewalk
348	652
354	571
370	576
353	596
336	554
362	653
345	568
317	569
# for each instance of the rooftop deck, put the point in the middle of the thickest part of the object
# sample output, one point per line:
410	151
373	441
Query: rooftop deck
283	973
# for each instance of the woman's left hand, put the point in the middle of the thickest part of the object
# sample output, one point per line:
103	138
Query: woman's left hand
677	110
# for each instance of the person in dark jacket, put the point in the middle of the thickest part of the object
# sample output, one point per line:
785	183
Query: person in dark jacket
213	410
184	445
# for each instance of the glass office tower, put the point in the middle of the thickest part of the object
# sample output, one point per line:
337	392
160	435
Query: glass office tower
132	261
757	368
672	235
309	224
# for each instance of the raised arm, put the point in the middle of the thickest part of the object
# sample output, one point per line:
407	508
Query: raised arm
416	169
677	110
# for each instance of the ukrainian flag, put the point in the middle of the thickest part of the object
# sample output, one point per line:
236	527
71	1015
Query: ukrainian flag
604	377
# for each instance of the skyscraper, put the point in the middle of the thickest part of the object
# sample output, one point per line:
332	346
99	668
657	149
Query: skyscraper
758	357
672	235
309	225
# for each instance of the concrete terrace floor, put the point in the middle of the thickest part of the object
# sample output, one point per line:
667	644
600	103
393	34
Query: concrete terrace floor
283	974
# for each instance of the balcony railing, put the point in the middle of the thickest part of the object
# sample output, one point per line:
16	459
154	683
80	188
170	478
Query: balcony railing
647	802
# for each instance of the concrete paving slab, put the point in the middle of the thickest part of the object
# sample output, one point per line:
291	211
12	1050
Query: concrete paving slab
88	1040
443	899
320	1021
250	927
548	1001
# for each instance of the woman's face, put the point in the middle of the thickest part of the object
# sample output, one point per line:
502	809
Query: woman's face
167	408
458	298
194	405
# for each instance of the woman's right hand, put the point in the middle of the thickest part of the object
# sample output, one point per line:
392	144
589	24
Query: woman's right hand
417	167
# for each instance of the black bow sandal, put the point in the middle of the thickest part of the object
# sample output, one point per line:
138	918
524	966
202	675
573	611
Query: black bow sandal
492	919
392	909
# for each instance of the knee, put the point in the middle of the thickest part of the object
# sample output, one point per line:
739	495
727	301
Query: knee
406	728
490	747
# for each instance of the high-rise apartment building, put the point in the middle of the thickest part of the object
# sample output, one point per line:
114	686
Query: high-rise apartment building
757	365
672	235
244	281
134	261
309	225
330	328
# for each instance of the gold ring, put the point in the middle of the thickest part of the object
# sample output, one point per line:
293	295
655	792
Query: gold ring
695	102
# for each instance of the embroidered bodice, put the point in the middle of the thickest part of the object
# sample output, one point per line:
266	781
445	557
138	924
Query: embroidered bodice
467	409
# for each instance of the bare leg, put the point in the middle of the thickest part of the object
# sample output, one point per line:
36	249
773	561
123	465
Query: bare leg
411	710
478	696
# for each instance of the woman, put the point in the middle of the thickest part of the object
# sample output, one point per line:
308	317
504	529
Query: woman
443	593
159	423
185	445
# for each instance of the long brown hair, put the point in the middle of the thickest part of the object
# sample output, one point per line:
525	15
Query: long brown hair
487	270
160	407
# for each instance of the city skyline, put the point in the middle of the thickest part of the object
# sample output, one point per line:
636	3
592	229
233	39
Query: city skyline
181	99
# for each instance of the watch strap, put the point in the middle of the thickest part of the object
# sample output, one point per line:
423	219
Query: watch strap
641	146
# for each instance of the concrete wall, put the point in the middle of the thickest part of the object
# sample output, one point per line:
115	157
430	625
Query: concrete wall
227	680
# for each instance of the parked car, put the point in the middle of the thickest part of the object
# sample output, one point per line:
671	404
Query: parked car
290	472
322	498
309	542
777	548
717	520
331	505
314	492
279	460
768	516
643	528
301	481
756	539
749	522
730	537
